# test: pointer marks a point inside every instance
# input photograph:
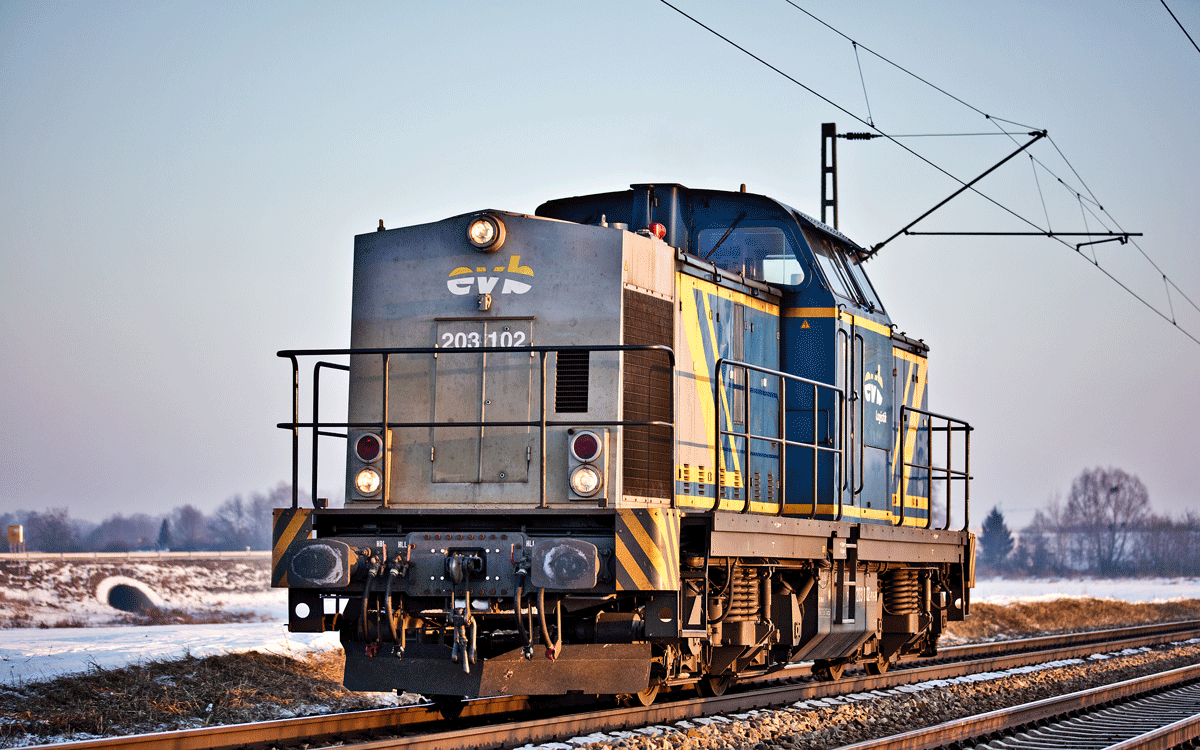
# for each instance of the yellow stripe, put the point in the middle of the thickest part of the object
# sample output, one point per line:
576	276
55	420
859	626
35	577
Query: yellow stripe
914	420
289	534
691	326
896	450
630	566
649	548
712	337
833	312
848	511
709	287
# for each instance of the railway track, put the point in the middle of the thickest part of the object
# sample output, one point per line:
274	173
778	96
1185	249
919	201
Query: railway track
423	727
1157	711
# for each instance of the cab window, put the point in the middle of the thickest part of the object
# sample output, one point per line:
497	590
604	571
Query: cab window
760	253
864	285
829	257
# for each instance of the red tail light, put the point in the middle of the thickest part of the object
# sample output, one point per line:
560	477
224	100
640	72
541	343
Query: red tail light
368	448
585	445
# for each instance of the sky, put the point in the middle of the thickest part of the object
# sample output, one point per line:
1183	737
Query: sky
180	184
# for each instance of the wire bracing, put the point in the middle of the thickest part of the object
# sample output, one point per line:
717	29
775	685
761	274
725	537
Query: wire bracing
1088	202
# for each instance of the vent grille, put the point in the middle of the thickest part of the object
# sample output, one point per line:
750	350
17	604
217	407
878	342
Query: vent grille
649	465
571	382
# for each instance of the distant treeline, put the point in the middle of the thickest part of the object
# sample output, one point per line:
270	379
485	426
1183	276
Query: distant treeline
237	524
1105	527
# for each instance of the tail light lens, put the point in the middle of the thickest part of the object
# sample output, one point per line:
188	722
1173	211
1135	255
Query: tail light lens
368	448
585	445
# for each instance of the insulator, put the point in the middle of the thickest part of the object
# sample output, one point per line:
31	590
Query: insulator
901	592
859	136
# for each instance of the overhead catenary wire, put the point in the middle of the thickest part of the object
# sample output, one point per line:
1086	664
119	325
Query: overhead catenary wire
995	121
1180	25
840	108
870	118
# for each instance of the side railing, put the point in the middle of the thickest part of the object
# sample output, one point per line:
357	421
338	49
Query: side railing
833	444
946	427
324	429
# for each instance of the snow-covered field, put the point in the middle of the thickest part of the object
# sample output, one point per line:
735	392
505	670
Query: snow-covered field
1008	591
31	654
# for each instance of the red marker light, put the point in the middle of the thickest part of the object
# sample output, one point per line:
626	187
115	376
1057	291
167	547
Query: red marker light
658	230
368	448
585	446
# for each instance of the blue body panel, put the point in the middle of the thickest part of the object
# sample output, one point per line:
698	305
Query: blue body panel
829	327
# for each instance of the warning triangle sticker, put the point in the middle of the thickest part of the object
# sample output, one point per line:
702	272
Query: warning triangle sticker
806	325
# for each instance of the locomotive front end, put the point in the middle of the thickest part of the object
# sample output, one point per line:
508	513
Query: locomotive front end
508	462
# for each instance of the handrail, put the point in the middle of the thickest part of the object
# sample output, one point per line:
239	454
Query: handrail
782	440
385	424
948	473
316	418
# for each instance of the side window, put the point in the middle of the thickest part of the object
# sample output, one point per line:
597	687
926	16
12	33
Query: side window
830	260
760	253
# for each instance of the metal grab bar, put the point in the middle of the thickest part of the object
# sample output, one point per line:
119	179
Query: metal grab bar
781	441
385	424
947	473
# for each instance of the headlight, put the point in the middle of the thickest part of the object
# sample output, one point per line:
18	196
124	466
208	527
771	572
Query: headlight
585	480
367	481
486	233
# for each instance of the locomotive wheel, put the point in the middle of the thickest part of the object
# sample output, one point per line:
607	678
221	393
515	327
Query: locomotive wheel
713	686
828	671
877	667
644	698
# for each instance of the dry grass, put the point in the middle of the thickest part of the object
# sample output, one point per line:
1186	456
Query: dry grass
155	616
184	693
1024	619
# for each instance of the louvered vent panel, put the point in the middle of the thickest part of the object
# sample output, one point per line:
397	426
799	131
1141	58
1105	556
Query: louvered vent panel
647	397
571	383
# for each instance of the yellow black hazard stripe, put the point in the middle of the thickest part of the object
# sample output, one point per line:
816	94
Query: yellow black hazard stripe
292	527
647	549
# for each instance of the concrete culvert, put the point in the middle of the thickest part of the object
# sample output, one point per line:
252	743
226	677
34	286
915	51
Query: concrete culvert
128	595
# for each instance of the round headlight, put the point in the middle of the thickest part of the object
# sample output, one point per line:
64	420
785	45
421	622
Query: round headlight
368	448
367	481
486	233
585	480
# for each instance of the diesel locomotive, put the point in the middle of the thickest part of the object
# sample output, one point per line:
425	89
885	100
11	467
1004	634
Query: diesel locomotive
647	439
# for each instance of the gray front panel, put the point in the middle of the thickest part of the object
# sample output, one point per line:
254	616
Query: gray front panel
477	387
552	283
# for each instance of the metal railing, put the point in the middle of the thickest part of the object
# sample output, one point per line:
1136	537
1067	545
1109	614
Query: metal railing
833	445
946	473
321	429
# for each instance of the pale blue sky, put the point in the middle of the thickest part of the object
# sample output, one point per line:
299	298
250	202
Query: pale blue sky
180	184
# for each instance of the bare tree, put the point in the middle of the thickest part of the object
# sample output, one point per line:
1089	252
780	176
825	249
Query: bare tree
51	531
1107	507
246	524
190	528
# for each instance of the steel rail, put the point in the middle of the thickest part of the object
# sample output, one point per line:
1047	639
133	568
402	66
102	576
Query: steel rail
1006	719
547	729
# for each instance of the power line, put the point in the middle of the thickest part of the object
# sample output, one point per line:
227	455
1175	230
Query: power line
840	108
1185	31
869	123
